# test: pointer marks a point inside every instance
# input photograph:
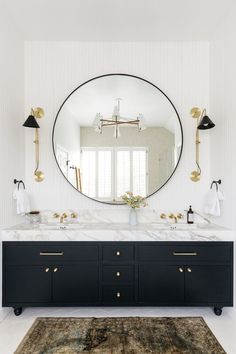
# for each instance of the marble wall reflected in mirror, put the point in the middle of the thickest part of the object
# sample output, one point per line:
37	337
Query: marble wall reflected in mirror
117	133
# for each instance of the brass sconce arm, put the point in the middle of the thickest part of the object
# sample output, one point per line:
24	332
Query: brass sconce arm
32	123
203	123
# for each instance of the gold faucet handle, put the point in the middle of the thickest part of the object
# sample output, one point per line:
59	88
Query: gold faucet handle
163	216
64	215
74	215
56	215
180	216
171	216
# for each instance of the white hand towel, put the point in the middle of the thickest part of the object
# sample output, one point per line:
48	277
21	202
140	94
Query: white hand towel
22	201
220	194
212	202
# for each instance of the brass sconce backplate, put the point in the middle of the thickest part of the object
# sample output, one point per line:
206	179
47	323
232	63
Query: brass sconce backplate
195	112
195	176
38	112
39	176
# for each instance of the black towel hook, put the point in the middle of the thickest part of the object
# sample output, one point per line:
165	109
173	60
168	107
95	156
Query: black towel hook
216	183
19	182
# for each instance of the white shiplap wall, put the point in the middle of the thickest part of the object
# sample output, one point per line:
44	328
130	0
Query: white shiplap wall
11	115
54	69
223	110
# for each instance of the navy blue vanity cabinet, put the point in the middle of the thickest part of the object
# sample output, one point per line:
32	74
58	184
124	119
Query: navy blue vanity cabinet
186	274
50	274
27	284
210	284
117	274
161	284
76	284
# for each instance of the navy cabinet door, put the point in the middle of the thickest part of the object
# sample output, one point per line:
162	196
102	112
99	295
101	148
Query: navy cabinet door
208	284
161	284
76	283
27	284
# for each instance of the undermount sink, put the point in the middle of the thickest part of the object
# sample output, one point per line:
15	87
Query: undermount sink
177	226
109	226
61	226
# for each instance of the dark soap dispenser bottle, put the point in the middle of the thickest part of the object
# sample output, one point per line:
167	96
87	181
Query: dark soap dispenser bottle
190	216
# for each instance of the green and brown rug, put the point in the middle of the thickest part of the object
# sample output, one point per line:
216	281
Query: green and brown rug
131	335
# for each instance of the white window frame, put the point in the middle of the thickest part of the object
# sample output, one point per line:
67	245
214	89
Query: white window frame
114	151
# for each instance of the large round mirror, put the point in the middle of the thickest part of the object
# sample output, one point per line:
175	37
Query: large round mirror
117	133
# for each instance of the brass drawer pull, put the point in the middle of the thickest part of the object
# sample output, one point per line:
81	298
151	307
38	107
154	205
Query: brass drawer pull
181	270
118	253
47	270
118	295
118	274
184	253
55	270
51	253
189	270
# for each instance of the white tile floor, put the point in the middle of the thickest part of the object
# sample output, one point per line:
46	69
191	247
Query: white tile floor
13	329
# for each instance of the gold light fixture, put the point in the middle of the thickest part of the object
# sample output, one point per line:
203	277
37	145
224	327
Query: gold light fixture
203	123
31	122
116	120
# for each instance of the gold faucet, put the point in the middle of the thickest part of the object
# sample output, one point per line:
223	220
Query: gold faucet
176	217
61	216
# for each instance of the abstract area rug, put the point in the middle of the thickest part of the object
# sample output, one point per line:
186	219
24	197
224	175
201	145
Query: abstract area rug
131	335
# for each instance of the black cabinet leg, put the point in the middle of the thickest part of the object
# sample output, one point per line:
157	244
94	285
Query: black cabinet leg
218	311
17	311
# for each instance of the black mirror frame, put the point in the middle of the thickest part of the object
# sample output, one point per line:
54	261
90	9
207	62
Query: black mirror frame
120	74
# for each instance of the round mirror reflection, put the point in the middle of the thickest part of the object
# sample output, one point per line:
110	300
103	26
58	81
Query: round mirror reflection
117	133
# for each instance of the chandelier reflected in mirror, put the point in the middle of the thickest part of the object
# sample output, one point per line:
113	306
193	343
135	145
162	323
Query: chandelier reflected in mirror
116	120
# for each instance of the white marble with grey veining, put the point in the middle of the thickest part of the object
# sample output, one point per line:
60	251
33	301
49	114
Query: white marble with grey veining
117	232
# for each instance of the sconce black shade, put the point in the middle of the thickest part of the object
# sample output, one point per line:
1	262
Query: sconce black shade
205	123
31	122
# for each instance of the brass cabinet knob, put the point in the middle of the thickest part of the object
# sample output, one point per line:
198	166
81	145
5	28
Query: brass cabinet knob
181	270
55	270
189	270
118	253
118	274
118	295
47	270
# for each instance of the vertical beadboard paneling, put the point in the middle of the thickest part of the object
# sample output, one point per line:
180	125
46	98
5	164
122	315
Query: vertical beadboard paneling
223	108
54	69
11	116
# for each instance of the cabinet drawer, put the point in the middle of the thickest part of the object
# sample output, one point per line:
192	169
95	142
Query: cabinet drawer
118	294
118	274
185	252
48	252
118	253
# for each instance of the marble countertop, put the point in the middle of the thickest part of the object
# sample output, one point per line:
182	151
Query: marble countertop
117	232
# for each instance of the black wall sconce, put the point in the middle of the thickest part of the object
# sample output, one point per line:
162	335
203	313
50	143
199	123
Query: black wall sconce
203	123
31	122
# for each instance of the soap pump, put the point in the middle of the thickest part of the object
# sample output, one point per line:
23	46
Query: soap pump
190	215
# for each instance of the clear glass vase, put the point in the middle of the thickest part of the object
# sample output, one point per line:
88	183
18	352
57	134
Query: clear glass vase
133	217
